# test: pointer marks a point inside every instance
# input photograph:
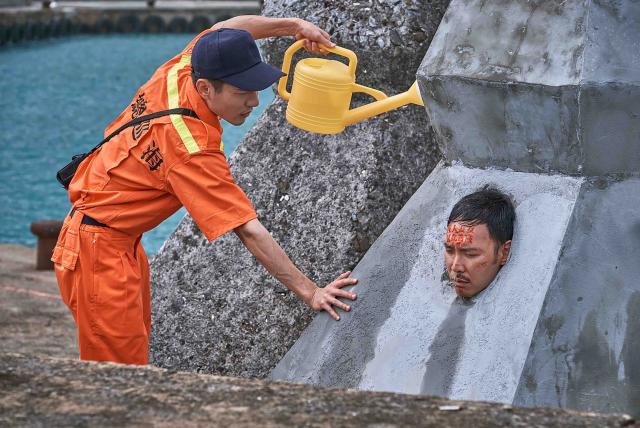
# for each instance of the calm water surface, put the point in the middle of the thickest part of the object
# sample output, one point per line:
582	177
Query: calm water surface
56	98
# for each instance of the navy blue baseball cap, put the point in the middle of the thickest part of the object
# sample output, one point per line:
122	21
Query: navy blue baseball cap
232	56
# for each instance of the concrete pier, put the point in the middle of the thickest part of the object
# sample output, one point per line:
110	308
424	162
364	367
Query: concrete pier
32	21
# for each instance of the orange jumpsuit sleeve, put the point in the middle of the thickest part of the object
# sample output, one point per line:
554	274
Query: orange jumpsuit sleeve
204	185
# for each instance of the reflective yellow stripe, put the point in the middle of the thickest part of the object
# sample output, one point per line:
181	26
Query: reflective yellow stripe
174	101
221	146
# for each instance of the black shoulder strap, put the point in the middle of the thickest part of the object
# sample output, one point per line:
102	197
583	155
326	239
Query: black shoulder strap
180	111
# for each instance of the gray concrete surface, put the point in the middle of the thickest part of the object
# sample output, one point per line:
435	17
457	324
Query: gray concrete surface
558	327
586	348
530	88
541	86
408	332
324	198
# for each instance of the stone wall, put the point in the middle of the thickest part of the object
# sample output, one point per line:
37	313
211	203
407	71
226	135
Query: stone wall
324	198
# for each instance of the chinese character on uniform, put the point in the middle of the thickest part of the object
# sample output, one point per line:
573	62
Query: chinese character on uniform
152	156
137	108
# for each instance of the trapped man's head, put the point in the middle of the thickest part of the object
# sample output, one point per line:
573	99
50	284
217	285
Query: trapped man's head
478	240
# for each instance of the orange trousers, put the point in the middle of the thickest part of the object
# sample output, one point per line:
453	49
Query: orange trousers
103	276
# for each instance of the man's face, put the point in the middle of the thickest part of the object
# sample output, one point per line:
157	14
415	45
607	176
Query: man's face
232	104
472	257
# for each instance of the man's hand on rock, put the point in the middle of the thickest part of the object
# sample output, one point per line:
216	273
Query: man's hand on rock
326	298
316	38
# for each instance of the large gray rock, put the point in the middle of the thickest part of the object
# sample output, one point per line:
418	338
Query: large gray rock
389	37
324	198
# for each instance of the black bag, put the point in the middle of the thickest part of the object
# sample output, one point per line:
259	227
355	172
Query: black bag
66	173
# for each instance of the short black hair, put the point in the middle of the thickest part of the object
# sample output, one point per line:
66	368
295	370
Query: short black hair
217	84
486	206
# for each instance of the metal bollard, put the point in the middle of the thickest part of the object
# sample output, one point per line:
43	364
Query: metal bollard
47	232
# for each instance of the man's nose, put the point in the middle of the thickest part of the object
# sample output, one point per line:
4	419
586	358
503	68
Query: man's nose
253	100
457	265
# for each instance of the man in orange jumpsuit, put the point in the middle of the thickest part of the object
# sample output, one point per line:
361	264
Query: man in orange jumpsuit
148	171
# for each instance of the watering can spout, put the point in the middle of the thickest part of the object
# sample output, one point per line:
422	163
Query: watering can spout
411	96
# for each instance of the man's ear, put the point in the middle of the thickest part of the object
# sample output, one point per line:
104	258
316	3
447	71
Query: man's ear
503	254
203	87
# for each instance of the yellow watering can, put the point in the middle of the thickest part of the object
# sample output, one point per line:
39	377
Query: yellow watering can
321	93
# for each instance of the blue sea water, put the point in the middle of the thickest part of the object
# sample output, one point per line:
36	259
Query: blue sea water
56	98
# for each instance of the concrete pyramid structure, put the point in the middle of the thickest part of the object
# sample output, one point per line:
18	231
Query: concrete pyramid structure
542	100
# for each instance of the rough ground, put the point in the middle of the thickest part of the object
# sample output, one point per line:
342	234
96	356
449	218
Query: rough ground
38	391
33	319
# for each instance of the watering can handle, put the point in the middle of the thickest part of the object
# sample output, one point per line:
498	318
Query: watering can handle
378	95
286	64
